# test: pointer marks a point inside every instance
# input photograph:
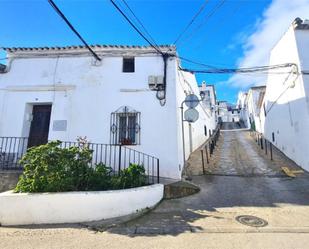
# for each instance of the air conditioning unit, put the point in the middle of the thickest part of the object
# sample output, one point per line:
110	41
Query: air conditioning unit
155	82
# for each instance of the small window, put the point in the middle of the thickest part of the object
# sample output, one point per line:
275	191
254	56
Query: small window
205	130
273	136
125	126
128	65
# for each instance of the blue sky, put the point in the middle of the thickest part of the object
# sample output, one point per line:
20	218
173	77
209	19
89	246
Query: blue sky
220	41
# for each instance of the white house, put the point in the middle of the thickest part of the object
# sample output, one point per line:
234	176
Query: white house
222	111
285	119
227	112
243	110
254	100
210	104
131	97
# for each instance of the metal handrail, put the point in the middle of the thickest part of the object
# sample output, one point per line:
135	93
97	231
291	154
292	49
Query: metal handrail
209	146
262	143
117	157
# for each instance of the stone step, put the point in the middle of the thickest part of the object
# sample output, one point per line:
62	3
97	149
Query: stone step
179	189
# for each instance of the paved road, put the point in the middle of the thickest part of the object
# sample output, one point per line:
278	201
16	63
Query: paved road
238	154
206	219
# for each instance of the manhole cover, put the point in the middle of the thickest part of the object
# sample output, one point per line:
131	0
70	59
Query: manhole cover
252	221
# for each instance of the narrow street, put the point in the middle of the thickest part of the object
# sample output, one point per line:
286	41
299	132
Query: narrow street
241	180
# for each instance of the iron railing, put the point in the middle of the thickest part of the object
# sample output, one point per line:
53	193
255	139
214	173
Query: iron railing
263	143
117	157
209	146
11	151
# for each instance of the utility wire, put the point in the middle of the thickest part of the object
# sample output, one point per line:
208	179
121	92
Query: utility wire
140	22
240	70
285	80
191	22
197	63
214	10
221	22
136	29
52	3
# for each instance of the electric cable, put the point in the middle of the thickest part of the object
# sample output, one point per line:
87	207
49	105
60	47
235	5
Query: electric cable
191	21
208	16
58	11
140	22
136	29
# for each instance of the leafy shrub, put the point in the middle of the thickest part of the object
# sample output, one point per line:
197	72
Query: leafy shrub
50	168
131	177
100	177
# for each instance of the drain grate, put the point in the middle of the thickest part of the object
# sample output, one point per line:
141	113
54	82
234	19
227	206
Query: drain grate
251	221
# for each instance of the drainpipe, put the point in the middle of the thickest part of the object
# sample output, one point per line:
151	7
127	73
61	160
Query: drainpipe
163	97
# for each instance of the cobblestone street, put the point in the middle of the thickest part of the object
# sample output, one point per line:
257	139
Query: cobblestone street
241	180
238	154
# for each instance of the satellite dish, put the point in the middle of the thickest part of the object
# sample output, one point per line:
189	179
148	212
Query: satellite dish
191	101
191	115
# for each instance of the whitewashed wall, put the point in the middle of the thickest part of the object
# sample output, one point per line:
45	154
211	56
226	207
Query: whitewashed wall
194	136
289	117
76	207
85	95
242	105
253	109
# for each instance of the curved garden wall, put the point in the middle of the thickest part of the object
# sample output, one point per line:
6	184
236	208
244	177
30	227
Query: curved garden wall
75	207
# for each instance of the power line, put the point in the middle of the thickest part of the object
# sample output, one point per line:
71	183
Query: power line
51	2
214	10
222	22
139	21
191	22
136	29
285	80
197	63
240	70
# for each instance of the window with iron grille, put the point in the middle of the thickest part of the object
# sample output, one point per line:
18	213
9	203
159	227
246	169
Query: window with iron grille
128	65
125	126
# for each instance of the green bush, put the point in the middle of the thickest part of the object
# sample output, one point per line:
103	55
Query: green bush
131	177
50	168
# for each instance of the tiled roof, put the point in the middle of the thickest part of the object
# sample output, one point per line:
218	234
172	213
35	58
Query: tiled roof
257	87
71	48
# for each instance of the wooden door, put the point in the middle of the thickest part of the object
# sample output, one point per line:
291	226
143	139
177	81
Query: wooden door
39	125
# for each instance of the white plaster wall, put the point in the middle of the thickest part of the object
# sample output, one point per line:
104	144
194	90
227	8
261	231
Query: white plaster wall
289	117
187	86
75	207
242	104
86	95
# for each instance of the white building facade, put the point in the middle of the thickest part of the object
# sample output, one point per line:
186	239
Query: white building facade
254	101
131	97
243	109
210	104
285	119
227	112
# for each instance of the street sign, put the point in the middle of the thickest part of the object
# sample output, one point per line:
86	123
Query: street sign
191	115
191	101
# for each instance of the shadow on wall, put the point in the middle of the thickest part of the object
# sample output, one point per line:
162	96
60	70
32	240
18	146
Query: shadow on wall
287	127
